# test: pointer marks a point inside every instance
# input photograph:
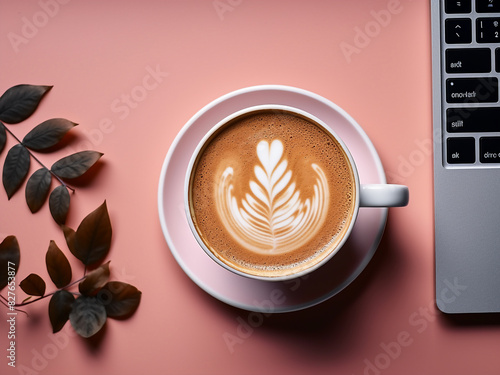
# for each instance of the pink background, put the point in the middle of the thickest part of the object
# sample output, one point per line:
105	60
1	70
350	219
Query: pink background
96	53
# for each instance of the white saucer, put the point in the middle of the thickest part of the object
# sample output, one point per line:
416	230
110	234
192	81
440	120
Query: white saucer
256	295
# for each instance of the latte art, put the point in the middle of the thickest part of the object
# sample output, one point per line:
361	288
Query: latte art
273	217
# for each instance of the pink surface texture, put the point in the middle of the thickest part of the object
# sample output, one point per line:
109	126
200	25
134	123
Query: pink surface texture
131	74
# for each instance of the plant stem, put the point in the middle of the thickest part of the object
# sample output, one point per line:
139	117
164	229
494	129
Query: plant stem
75	282
48	295
6	305
39	162
34	300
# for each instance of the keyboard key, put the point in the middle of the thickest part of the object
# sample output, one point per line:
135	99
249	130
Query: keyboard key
458	30
473	119
472	90
461	150
468	60
488	30
487	6
497	60
457	6
489	149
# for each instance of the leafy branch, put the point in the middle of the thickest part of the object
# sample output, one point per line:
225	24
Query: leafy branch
16	105
97	297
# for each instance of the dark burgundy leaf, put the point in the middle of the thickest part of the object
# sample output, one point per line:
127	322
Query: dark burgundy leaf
119	299
47	134
60	306
37	189
27	299
75	165
69	235
58	266
87	316
9	260
33	285
95	280
92	239
3	136
15	169
59	204
19	102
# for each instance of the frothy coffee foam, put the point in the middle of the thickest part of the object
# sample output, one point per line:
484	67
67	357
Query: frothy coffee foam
272	193
272	218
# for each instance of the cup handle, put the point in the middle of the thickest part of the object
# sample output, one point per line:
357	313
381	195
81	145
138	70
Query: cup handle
383	195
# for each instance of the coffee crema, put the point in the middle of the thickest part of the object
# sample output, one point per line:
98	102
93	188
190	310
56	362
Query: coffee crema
271	193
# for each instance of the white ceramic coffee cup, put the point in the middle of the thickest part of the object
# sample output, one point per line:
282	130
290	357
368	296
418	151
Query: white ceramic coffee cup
367	195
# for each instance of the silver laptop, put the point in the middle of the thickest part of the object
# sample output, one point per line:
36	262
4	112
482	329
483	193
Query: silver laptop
466	132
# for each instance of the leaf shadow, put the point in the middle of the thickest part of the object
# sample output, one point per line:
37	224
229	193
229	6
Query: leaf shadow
126	316
88	176
35	318
95	342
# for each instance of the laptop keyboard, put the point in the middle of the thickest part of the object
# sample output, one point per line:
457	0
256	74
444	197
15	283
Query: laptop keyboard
470	71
